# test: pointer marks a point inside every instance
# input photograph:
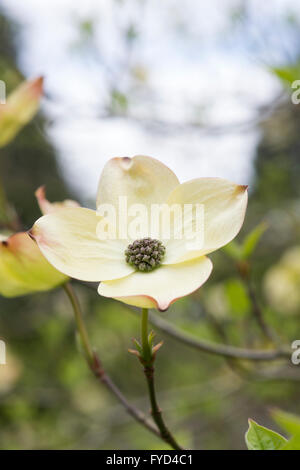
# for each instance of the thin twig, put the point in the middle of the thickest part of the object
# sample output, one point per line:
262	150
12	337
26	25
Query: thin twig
217	349
258	314
132	410
244	271
96	366
214	348
234	364
156	411
147	359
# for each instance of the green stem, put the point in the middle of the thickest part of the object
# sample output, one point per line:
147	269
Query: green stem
144	334
96	366
80	324
213	348
147	360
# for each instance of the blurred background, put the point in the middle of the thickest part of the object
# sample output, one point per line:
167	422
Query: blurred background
205	88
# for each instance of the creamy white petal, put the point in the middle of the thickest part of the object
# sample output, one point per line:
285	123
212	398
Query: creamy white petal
68	239
161	287
47	207
224	206
143	180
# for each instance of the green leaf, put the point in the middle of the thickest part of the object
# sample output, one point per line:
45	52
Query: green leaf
119	102
87	28
233	250
287	421
137	345
260	438
292	444
237	297
151	337
251	240
287	75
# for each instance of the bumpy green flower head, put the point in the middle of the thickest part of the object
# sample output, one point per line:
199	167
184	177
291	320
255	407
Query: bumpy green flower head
145	254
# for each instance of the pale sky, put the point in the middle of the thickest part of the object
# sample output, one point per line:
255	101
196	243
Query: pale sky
191	61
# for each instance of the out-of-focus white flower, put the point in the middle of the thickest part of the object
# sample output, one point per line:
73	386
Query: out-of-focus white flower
282	282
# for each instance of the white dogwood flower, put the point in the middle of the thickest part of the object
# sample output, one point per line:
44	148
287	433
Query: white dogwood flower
146	272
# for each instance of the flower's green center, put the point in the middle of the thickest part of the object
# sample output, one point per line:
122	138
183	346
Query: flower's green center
145	254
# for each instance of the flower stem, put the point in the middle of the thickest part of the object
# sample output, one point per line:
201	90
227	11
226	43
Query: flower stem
144	334
80	323
217	349
147	361
96	365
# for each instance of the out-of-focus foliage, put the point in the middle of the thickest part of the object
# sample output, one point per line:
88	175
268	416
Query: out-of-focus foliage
21	176
242	251
288	75
20	107
289	422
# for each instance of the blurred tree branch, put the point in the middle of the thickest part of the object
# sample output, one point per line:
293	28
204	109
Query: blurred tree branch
214	348
217	349
165	127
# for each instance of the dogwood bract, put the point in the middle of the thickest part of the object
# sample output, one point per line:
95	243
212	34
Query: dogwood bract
21	106
145	272
23	268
